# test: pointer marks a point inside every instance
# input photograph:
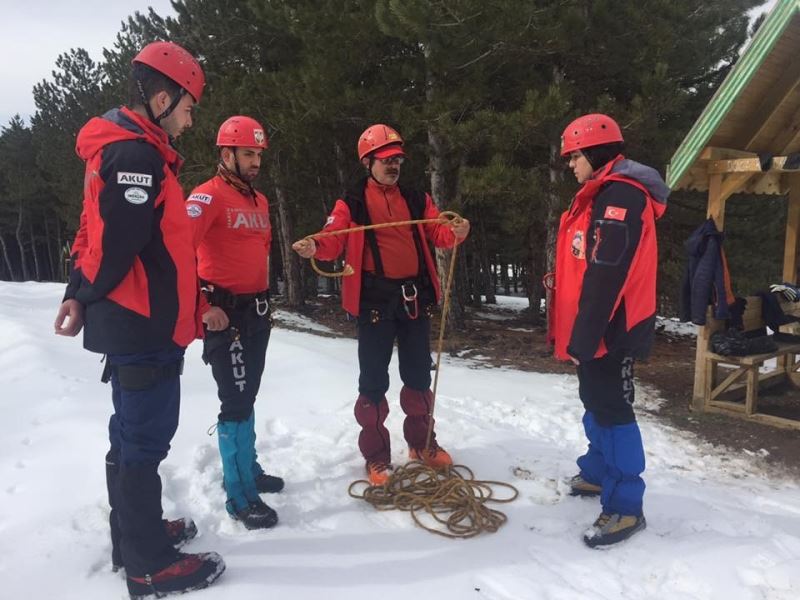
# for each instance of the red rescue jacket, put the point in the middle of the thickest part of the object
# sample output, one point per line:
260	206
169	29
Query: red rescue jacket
353	244
133	257
606	264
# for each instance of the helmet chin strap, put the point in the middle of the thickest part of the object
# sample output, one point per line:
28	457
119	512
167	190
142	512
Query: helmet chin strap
167	111
236	164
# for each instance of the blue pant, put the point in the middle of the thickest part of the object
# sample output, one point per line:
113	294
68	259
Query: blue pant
140	431
144	421
615	461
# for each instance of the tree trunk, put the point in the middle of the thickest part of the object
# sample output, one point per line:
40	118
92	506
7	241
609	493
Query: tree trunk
49	246
63	253
18	234
291	264
455	315
272	273
551	224
36	269
7	259
439	191
505	278
340	171
485	283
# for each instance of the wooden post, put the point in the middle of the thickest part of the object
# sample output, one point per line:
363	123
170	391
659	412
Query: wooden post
716	211
792	226
790	260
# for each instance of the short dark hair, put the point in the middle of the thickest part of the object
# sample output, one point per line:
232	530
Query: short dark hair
598	156
151	81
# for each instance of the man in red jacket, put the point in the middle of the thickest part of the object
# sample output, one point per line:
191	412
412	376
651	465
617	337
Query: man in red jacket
134	287
233	235
394	285
604	311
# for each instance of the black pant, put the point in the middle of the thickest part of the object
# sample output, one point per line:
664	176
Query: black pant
606	389
377	332
237	356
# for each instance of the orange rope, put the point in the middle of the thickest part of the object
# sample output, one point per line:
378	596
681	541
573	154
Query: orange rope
444	217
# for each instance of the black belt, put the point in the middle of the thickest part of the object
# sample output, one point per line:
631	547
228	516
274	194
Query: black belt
406	289
387	285
219	296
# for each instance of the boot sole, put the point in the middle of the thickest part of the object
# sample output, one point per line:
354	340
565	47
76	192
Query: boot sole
152	594
262	522
266	524
601	543
583	493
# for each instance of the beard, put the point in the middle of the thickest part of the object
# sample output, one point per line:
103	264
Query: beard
249	176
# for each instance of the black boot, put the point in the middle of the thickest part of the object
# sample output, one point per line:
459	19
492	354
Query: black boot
238	455
256	515
268	484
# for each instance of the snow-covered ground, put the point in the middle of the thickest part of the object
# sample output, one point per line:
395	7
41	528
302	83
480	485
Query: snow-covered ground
296	321
718	526
673	326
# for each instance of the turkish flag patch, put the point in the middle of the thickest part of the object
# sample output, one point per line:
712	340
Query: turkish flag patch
616	213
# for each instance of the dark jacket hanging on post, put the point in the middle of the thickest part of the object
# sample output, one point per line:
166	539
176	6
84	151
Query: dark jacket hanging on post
706	279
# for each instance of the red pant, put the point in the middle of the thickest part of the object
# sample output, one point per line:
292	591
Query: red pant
374	442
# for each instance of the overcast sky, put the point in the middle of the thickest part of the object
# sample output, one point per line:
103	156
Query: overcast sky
34	32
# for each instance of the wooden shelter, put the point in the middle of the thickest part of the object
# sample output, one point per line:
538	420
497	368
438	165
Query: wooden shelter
754	114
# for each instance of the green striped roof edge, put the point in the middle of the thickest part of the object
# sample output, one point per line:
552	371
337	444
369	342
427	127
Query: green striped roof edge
715	111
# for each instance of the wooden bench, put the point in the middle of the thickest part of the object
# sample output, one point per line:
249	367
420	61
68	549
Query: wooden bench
744	375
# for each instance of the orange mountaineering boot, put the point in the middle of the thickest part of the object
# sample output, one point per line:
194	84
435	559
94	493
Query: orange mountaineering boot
435	457
378	473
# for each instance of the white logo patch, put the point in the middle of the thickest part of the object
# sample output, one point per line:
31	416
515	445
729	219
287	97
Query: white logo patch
329	221
194	210
204	198
258	134
136	195
135	179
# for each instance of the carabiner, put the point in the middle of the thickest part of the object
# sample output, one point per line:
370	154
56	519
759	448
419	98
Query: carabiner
410	299
259	311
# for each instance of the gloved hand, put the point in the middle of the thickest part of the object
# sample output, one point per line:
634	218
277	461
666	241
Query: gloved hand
787	290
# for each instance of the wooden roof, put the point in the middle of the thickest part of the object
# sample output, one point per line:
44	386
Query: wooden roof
755	110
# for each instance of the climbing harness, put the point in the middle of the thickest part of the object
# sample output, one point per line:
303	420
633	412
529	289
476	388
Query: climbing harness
451	498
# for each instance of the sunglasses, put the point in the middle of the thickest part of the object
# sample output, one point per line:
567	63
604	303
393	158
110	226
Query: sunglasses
392	160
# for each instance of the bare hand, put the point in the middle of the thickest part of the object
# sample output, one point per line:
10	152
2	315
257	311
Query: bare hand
215	319
305	248
72	311
575	360
460	228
